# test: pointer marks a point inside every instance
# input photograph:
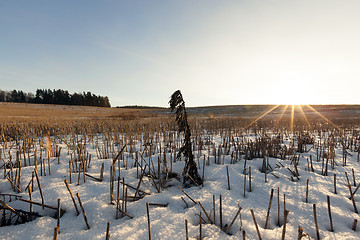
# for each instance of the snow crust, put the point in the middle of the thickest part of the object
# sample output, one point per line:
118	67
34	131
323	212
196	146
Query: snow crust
169	222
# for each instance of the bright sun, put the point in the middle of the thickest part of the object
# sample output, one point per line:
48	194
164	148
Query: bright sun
292	93
292	98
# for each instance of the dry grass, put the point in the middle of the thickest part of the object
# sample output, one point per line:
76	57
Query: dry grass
61	112
22	119
19	119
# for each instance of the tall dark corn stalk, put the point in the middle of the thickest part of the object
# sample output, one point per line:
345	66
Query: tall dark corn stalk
177	104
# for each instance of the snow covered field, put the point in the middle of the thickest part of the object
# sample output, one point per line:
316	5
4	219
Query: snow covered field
168	221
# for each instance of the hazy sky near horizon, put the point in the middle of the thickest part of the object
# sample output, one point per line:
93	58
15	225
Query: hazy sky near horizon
215	52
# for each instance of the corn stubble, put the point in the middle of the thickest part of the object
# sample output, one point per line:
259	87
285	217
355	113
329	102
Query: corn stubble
140	136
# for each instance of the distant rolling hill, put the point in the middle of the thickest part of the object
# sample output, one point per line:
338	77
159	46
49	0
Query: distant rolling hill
337	111
26	110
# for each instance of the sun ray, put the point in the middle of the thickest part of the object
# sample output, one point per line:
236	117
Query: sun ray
322	116
281	115
266	113
304	116
292	119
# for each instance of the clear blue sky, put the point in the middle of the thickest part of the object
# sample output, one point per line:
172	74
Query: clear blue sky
215	52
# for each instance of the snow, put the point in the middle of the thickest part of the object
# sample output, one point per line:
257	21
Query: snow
169	222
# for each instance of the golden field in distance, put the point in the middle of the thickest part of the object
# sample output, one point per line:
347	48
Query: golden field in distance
18	111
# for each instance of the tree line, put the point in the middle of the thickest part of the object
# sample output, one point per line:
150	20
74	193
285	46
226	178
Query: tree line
61	97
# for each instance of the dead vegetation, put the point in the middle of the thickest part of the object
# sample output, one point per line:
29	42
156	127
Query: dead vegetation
152	144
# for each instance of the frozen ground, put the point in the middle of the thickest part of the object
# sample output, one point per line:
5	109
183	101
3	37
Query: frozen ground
169	222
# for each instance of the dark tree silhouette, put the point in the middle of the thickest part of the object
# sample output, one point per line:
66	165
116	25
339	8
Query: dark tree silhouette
48	96
2	96
177	103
